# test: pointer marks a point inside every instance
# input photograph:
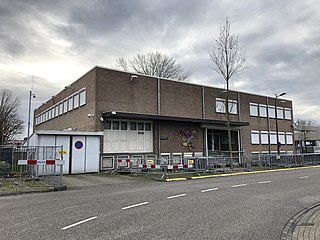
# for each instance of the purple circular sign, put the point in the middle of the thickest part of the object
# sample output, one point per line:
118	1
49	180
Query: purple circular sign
78	144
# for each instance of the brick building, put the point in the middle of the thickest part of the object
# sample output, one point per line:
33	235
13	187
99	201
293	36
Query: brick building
140	115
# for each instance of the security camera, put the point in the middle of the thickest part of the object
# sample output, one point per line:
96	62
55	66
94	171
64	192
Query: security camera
90	115
101	119
34	96
133	77
113	112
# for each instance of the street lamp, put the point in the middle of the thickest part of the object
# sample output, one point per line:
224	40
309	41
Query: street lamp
31	95
276	115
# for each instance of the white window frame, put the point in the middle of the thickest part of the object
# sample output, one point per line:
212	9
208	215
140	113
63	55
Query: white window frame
76	100
282	138
272	111
60	108
287	113
82	97
263	110
254	109
255	137
65	106
70	103
280	114
264	137
233	107
289	138
273	138
220	105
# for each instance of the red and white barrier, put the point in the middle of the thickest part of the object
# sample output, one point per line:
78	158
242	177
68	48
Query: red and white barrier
40	162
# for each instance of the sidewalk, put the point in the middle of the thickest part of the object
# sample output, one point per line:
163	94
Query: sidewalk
305	225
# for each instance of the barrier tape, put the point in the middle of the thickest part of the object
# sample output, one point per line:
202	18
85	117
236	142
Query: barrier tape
40	162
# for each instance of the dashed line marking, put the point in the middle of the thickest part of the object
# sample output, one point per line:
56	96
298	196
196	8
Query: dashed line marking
239	185
264	182
303	177
78	223
209	190
175	196
135	205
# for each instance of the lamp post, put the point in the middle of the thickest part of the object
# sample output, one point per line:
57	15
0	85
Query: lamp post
28	134
276	115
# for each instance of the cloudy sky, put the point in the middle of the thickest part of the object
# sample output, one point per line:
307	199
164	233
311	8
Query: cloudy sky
45	45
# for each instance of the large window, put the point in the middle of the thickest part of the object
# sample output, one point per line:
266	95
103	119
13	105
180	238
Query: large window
254	109
282	138
221	106
255	138
60	108
273	137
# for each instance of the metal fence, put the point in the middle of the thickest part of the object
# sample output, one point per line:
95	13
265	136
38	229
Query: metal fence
290	160
44	163
139	164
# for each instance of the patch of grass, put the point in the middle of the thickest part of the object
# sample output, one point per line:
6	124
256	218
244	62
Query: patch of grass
17	185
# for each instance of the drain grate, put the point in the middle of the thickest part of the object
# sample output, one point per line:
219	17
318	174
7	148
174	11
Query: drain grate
306	224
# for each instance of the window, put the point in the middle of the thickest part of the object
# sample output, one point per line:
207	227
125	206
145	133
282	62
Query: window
273	138
263	110
279	112
232	105
253	109
147	126
124	126
220	105
70	103
289	137
287	113
49	114
264	137
65	106
282	138
56	111
76	101
115	125
140	126
272	112
255	137
82	98
133	126
107	125
60	108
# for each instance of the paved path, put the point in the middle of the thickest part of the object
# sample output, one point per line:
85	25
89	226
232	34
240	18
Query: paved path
304	226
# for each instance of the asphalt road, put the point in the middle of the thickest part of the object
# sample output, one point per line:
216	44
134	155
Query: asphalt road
253	206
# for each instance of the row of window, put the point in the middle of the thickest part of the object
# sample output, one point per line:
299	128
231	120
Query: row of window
122	125
68	104
269	111
263	137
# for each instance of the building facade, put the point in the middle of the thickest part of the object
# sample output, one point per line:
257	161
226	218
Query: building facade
143	115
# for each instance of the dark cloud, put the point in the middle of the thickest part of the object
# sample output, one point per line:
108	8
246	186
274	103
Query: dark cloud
280	38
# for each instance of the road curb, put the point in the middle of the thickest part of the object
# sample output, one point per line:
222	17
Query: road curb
239	173
287	231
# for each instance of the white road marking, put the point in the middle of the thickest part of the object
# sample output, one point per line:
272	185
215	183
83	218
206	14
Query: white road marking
77	223
240	185
135	205
175	196
264	182
209	190
304	177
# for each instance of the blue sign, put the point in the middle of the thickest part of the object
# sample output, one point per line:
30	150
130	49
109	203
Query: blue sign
78	144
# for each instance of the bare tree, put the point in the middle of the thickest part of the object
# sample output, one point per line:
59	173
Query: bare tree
154	64
227	60
305	128
10	123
